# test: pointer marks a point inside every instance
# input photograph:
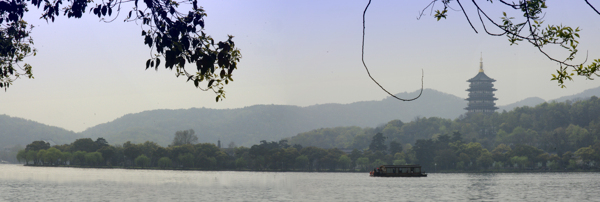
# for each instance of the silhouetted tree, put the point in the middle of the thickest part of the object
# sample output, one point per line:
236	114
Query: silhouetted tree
456	136
164	162
425	152
37	145
84	144
101	142
395	147
185	137
142	161
108	152
378	143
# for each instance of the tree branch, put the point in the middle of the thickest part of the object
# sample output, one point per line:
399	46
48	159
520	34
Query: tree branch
586	1
463	10
483	24
363	61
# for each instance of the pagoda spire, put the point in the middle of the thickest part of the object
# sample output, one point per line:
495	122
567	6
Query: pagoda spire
481	63
481	93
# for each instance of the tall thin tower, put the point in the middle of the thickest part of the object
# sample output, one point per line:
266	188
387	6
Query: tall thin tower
481	93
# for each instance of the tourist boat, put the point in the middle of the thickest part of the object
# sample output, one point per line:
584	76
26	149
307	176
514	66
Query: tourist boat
398	171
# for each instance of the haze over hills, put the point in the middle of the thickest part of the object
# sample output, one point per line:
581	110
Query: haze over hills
249	125
17	131
533	101
530	101
583	95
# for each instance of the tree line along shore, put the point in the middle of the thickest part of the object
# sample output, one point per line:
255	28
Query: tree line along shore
280	156
553	136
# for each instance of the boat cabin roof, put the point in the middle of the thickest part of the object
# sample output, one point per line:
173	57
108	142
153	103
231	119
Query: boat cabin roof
401	166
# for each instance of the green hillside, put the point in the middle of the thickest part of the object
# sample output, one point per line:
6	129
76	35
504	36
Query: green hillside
18	131
554	127
249	125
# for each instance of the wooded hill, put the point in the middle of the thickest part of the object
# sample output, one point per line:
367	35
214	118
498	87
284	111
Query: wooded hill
249	125
18	131
15	133
555	127
533	101
557	136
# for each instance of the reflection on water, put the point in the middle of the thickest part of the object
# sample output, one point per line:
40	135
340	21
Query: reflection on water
20	183
482	187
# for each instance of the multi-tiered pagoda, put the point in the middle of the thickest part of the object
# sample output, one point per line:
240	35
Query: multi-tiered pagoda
481	93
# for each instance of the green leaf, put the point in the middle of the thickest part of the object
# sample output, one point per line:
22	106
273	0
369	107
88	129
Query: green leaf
148	40
157	62
104	10
211	82
148	64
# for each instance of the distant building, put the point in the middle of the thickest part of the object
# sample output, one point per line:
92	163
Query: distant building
50	142
8	149
481	93
219	144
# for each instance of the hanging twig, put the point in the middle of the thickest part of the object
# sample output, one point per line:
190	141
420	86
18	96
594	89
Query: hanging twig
363	61
468	20
586	1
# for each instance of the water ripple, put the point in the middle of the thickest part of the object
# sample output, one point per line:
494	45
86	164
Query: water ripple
22	183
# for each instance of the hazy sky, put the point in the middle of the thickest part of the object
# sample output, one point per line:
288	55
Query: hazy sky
294	53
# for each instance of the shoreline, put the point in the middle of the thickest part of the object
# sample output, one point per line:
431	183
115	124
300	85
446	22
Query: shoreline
323	171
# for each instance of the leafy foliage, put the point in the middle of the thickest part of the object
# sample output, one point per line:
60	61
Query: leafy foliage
378	143
15	45
164	162
185	137
174	35
553	127
142	161
445	153
37	145
530	28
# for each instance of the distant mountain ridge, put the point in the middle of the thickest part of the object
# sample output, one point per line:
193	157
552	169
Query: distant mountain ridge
533	101
249	125
579	96
18	131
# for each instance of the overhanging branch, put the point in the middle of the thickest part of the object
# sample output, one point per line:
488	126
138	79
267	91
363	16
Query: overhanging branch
366	68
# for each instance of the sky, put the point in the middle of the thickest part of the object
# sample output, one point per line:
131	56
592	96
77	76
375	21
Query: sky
294	53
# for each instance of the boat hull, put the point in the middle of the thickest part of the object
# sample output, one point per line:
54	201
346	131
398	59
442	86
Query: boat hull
398	171
384	175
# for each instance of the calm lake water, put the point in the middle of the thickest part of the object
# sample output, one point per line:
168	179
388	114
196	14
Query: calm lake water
21	183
